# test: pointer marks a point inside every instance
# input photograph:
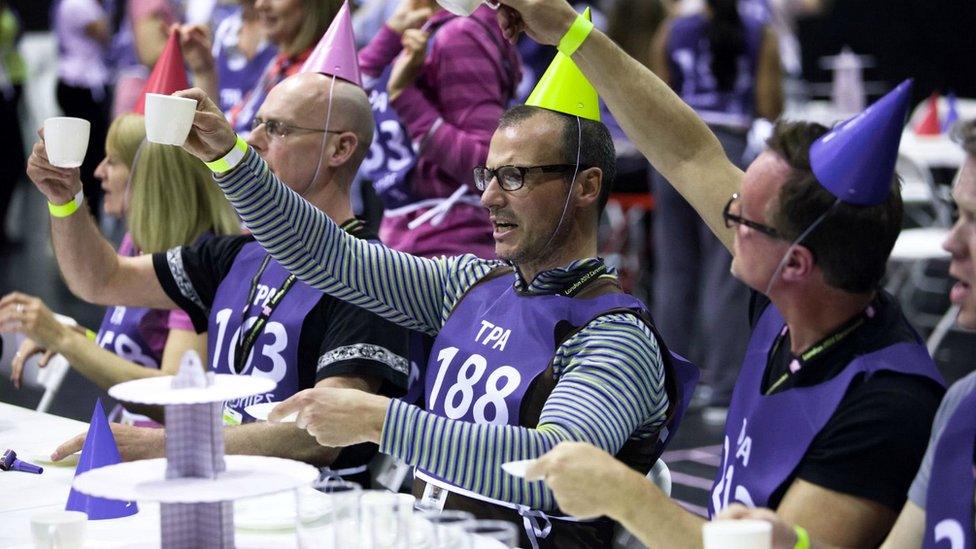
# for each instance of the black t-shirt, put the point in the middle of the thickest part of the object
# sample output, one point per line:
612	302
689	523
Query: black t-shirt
347	337
872	445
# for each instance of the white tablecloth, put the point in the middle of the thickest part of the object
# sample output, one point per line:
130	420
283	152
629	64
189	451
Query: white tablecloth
22	495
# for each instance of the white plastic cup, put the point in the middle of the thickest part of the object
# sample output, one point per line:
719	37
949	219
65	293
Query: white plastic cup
66	140
737	534
168	118
59	529
465	8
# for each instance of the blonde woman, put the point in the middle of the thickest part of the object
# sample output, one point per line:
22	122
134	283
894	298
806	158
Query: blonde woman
167	199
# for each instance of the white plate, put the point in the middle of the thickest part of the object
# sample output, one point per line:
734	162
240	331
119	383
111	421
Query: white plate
45	461
518	468
158	390
145	480
260	412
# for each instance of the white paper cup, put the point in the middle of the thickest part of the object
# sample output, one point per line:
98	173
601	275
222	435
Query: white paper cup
168	118
737	534
465	8
59	529
66	140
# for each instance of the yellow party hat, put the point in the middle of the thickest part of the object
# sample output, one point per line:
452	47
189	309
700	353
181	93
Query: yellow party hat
563	88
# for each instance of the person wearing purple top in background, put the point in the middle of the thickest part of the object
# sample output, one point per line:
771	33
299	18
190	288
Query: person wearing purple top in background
726	67
828	419
237	58
939	511
81	27
451	82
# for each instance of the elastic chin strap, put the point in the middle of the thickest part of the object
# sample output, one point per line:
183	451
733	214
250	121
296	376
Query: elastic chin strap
569	193
325	139
795	243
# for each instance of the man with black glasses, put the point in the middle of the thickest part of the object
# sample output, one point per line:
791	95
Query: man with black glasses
831	410
539	348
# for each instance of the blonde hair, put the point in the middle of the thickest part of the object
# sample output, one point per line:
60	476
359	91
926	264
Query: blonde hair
125	135
174	200
318	17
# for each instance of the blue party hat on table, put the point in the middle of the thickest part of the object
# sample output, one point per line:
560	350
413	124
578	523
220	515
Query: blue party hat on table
855	160
99	450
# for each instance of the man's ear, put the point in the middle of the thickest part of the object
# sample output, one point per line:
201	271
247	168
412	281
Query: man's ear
590	182
343	147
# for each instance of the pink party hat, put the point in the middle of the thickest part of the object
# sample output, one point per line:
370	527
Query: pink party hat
168	74
335	54
99	450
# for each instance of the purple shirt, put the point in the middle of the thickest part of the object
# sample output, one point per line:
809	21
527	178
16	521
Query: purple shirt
467	80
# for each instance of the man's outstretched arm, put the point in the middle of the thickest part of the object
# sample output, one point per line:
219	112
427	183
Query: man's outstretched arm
89	264
666	130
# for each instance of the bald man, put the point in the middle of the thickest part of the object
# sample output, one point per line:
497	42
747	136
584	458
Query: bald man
293	333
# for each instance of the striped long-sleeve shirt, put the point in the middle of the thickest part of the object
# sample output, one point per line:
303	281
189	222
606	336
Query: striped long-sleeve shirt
609	375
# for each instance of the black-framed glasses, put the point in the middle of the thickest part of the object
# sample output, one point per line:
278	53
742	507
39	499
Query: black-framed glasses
277	128
511	178
732	219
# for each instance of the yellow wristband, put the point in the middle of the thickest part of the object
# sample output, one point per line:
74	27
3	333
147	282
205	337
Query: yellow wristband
230	160
802	538
575	36
64	210
90	335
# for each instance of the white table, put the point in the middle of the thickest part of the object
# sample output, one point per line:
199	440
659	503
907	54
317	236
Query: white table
22	495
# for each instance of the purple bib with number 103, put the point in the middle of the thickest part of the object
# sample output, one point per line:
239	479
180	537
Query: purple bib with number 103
766	436
275	352
949	502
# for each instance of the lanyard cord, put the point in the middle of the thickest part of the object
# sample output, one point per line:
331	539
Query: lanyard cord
246	341
818	348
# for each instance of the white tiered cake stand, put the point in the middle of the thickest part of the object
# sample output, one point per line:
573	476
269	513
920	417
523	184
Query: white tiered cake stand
145	480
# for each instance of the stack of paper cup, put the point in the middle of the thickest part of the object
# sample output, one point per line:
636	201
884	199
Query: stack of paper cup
169	118
66	140
737	534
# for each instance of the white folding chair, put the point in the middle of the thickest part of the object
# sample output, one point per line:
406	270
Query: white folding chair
49	378
660	475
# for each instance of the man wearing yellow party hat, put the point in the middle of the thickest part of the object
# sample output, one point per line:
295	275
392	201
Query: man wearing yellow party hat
538	348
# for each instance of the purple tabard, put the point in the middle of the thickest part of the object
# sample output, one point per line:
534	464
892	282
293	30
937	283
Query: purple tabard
130	332
275	352
689	61
766	436
949	502
497	342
